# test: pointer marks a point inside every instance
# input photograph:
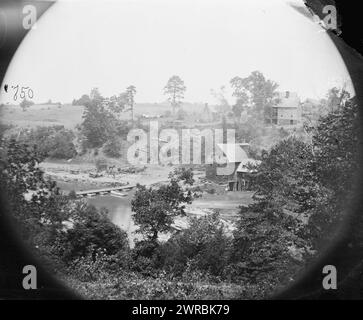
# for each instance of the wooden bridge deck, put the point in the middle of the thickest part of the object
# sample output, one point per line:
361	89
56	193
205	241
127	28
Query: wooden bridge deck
103	190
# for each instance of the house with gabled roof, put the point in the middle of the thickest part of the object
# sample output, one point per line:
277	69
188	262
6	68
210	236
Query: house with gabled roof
240	168
287	112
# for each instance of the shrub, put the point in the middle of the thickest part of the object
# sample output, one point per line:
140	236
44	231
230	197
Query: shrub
93	231
202	246
61	145
72	194
55	141
112	147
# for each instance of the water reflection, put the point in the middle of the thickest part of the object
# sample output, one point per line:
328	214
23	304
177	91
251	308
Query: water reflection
119	212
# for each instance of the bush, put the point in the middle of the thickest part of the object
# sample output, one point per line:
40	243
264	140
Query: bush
26	104
203	246
72	194
93	231
99	265
112	147
145	257
55	141
61	145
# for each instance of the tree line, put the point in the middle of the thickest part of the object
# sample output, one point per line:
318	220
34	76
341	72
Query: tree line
301	192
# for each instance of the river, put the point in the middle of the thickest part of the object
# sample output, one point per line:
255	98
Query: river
119	209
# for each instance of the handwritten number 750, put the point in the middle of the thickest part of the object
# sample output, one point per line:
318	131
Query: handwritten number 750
22	92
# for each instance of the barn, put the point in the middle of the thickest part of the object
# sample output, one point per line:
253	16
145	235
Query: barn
239	169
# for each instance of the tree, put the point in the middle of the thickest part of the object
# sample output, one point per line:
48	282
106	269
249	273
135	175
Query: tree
112	147
270	240
257	92
130	94
117	104
91	231
175	90
101	116
220	95
336	145
181	114
203	245
266	249
53	141
25	104
336	97
61	145
95	95
286	178
183	174
35	203
99	123
242	101
155	208
336	148
84	100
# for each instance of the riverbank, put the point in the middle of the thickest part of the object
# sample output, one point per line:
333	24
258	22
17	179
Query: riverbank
214	197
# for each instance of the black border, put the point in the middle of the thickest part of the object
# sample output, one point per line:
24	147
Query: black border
346	254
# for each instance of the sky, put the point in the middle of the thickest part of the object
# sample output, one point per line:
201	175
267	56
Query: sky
79	45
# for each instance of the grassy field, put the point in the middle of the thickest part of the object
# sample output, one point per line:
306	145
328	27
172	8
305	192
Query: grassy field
69	116
43	115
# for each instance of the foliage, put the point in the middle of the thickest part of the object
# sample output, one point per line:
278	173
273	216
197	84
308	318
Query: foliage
175	90
181	114
100	117
35	203
98	124
261	246
61	145
336	147
223	106
130	96
25	104
82	101
202	246
112	147
72	194
132	285
155	208
255	94
91	231
300	191
286	178
117	104
183	174
98	265
54	142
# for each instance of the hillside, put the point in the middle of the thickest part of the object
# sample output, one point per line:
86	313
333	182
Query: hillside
69	116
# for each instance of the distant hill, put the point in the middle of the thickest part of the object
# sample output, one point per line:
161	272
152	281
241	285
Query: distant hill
160	108
43	115
69	116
